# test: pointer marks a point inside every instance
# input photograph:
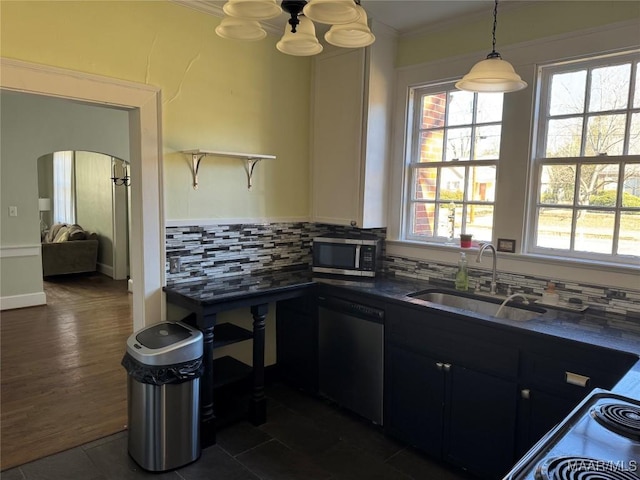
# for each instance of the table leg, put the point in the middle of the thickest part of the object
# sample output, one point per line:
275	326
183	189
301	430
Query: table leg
258	405
207	415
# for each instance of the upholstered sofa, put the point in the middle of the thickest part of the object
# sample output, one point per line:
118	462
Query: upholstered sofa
68	249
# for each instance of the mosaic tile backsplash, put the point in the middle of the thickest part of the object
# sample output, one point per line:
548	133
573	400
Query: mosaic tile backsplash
240	249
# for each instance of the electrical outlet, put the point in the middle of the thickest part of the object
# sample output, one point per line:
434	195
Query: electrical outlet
174	265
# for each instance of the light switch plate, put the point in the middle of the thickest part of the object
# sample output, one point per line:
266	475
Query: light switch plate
174	265
13	211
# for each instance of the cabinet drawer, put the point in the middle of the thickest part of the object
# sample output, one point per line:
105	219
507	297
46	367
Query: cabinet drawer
573	375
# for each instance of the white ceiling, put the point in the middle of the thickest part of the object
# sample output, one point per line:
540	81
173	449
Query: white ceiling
405	16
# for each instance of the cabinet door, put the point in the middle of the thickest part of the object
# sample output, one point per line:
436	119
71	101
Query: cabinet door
337	137
480	422
539	412
414	399
297	343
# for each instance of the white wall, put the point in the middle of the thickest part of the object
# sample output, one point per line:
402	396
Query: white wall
31	127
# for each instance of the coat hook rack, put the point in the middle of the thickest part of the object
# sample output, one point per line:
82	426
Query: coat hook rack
250	159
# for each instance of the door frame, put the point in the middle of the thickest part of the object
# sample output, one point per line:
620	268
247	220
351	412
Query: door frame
147	243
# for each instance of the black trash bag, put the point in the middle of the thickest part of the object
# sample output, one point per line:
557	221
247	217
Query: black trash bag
162	374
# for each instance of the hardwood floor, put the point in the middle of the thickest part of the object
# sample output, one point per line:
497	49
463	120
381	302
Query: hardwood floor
62	384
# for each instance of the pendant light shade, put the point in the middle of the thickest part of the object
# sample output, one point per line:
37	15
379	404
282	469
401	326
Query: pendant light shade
252	9
351	35
240	29
331	12
493	74
301	43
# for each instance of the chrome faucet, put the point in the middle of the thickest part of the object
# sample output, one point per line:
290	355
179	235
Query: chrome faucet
494	284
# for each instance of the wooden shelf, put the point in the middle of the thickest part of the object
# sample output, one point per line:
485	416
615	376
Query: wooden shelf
227	370
229	333
250	160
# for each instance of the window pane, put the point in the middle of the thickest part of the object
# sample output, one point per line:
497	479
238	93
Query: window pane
605	135
425	183
482	184
628	239
480	221
563	138
594	231
460	108
557	184
445	216
489	107
433	110
567	93
599	185
634	134
631	195
636	96
422	217
554	228
452	184
431	145
609	88
458	144
487	145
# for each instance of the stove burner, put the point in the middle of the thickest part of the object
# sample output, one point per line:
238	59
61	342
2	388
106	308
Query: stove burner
620	418
582	468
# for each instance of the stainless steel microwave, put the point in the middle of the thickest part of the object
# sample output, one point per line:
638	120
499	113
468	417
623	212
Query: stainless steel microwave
344	255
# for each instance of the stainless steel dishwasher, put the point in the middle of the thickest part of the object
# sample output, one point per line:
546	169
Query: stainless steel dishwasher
351	355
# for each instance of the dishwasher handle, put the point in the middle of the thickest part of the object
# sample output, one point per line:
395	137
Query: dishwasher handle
352	308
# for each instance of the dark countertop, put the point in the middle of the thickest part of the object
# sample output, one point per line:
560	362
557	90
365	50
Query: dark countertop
592	327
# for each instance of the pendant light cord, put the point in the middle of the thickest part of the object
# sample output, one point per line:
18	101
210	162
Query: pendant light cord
493	53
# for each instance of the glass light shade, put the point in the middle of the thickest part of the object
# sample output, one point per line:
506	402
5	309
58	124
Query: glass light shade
331	12
492	75
252	9
351	35
302	43
240	29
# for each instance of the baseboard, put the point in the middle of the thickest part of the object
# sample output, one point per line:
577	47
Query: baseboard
22	301
106	269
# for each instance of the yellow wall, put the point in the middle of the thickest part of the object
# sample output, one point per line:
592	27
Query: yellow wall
217	94
516	24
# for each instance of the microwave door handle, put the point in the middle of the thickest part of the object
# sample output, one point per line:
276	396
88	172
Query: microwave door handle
357	257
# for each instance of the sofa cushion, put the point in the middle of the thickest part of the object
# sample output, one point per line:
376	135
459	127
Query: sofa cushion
62	235
53	231
76	232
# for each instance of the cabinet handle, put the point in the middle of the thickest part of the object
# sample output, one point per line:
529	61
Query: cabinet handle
447	367
576	379
525	393
439	365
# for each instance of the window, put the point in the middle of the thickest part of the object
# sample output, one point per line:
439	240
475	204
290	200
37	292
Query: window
452	167
586	162
64	209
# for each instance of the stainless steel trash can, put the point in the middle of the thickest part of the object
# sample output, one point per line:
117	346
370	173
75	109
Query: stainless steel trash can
164	366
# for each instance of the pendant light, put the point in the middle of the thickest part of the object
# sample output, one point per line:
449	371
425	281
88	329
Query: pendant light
240	29
493	74
351	35
300	41
252	9
331	12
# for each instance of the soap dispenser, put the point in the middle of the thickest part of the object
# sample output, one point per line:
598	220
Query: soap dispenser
462	276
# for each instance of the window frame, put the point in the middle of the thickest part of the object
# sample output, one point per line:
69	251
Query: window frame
540	119
412	152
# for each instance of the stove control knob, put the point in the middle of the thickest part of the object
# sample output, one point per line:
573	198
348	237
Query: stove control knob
525	393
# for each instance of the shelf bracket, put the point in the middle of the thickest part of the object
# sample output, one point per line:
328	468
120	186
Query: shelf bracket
250	160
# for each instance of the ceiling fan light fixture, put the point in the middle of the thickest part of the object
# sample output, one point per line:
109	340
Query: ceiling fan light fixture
303	42
492	75
252	9
240	29
332	12
351	35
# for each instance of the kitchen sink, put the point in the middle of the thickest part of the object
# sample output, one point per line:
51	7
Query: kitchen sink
481	305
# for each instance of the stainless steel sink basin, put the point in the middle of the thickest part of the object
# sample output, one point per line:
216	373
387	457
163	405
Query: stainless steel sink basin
480	305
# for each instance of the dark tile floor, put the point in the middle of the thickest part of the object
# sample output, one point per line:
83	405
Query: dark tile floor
304	438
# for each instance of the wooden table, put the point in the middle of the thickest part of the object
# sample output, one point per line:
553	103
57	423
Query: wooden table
206	298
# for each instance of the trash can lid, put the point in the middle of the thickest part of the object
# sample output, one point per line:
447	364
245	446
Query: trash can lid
165	343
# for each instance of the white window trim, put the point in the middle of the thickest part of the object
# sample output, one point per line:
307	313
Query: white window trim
513	177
